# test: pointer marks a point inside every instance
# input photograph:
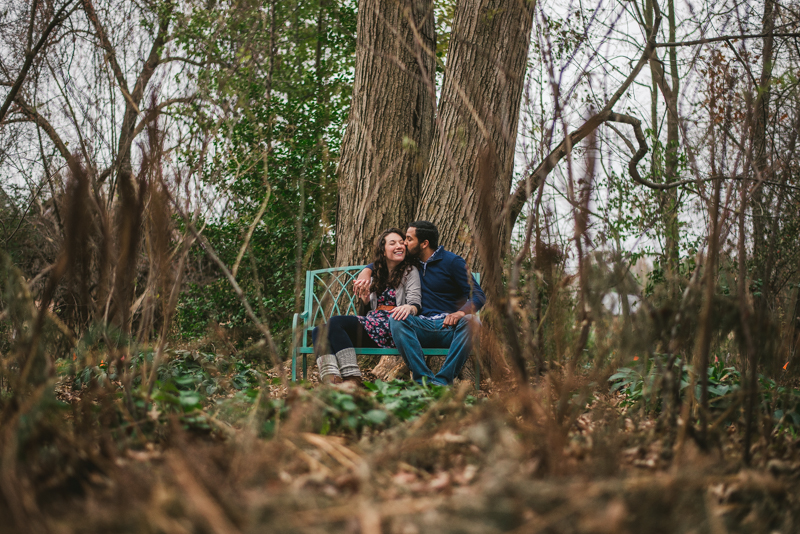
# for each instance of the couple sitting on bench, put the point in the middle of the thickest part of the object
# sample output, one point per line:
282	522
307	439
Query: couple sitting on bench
420	295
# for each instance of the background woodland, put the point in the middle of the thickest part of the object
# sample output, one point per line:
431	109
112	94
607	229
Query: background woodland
624	176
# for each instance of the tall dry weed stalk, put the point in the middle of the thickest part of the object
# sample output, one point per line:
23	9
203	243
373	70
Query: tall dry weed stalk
101	267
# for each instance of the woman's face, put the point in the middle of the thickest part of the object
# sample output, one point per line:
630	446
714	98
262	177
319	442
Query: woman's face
395	248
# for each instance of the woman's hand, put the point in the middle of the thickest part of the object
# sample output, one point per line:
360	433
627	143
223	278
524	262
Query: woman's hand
361	289
401	312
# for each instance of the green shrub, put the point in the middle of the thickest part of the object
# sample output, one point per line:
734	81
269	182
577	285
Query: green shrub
642	384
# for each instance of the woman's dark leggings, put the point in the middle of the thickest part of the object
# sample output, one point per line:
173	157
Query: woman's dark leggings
344	331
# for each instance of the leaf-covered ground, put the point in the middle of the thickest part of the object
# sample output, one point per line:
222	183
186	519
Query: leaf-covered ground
253	455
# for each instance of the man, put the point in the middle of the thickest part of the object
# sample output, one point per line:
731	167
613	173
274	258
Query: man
450	295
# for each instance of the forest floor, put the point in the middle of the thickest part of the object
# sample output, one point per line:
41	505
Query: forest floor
494	462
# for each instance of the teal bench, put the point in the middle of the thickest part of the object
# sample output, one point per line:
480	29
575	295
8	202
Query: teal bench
329	292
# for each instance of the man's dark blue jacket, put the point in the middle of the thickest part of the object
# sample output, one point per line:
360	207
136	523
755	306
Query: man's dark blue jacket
446	285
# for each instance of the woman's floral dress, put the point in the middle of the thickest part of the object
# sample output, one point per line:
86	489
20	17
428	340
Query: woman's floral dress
376	323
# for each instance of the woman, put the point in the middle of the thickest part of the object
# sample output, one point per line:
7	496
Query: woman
394	291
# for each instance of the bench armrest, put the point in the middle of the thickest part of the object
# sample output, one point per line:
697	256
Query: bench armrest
298	322
299	318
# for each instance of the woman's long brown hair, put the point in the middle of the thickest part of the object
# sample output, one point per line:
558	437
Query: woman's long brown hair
381	277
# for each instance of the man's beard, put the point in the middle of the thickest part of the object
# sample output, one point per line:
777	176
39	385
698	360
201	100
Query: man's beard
413	253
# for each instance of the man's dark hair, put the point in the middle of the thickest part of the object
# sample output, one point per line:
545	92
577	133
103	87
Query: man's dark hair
426	231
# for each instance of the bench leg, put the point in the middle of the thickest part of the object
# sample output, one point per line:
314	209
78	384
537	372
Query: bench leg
305	367
294	366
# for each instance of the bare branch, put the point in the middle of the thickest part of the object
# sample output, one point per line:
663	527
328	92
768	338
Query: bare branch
518	198
105	44
43	123
34	6
728	38
34	196
264	329
129	129
156	111
153	58
250	231
642	150
58	18
169	59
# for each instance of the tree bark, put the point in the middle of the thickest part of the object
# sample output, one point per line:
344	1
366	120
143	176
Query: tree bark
648	23
479	110
669	200
760	159
389	131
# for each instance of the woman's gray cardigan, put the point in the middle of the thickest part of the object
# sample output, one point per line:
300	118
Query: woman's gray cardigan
408	292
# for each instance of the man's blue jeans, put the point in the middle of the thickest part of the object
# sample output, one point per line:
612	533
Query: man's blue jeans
413	333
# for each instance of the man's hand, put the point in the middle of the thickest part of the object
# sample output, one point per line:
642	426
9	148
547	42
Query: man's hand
453	318
401	312
361	289
365	274
361	285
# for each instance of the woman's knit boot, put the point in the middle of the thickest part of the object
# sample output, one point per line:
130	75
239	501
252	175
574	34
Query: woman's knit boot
329	372
348	366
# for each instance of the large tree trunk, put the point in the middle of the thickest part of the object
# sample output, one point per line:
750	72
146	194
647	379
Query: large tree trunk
389	131
478	114
380	170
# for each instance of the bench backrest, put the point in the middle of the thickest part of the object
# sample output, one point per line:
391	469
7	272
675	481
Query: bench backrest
329	292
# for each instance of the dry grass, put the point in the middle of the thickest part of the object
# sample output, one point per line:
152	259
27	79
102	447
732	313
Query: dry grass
488	468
